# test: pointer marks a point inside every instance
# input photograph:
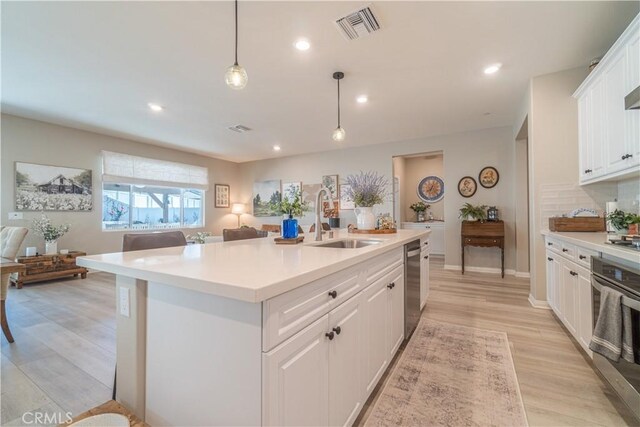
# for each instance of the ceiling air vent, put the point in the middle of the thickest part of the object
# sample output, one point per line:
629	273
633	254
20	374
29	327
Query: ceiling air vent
239	128
358	24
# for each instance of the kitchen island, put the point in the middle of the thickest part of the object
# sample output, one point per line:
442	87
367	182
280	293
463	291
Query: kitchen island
254	333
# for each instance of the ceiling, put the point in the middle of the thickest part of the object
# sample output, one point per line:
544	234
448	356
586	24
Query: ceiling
96	65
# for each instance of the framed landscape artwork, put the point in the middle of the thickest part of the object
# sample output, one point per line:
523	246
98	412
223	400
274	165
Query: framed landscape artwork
266	195
52	188
222	196
346	202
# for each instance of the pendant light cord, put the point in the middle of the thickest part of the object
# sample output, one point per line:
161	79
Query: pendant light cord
338	102
236	63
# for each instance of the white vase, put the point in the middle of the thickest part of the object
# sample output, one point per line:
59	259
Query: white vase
51	248
365	218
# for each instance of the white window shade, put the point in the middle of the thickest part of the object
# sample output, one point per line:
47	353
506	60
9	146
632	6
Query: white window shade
126	169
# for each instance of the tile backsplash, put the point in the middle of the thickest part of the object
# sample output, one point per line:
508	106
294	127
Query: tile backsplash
629	195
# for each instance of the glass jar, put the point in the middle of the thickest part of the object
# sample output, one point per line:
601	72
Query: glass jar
420	216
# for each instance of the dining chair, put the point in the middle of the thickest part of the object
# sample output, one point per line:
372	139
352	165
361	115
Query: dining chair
231	234
155	240
325	227
11	239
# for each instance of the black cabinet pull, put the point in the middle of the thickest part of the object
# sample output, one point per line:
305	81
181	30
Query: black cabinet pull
565	250
329	335
582	257
337	330
426	257
588	171
549	243
333	294
549	259
391	285
573	273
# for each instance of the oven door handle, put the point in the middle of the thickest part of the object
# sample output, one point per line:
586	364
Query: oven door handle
626	301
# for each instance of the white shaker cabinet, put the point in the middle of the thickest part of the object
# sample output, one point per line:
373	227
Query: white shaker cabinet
436	238
569	284
395	307
585	325
553	282
609	135
296	378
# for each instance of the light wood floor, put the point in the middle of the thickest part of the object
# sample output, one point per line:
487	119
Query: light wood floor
64	354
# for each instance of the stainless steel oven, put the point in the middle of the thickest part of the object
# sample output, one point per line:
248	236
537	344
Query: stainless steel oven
623	376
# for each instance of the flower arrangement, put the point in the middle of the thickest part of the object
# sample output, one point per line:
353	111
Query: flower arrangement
199	236
48	231
419	207
292	204
469	211
385	222
116	210
366	189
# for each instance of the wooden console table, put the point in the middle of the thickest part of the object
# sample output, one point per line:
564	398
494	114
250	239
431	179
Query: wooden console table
486	234
46	267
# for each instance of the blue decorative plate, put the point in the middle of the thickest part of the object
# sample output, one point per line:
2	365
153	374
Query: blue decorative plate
431	189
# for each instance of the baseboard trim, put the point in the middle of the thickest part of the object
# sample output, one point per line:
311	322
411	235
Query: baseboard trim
472	269
523	274
538	303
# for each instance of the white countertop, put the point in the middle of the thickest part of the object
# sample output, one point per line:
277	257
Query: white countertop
249	270
596	242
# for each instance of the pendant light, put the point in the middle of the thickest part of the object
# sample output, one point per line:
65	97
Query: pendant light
339	133
236	76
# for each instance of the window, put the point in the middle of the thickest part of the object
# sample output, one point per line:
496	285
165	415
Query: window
140	207
158	194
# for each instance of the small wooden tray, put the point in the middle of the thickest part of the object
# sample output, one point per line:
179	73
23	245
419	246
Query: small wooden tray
584	224
374	231
281	241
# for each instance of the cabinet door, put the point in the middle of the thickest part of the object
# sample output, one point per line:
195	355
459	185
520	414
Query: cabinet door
395	314
346	386
585	312
552	286
585	137
597	129
296	379
424	277
375	302
632	118
570	294
614	86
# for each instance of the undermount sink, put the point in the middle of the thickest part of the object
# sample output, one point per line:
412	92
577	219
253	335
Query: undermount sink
349	244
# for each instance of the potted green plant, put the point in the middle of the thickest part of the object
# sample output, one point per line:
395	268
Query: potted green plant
419	208
634	227
292	205
621	220
469	212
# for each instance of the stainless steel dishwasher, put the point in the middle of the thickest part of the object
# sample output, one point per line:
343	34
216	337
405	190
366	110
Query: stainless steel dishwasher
411	287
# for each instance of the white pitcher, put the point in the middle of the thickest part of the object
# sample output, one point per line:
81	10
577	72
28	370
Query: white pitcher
365	218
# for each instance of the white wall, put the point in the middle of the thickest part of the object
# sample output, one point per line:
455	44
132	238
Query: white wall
33	141
464	154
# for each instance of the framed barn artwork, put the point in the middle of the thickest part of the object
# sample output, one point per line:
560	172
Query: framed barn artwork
52	188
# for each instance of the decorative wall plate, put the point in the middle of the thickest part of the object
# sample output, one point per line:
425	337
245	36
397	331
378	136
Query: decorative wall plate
467	186
489	177
431	189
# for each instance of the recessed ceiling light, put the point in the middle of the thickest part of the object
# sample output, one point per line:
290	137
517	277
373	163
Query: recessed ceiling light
155	107
276	148
302	44
362	99
492	69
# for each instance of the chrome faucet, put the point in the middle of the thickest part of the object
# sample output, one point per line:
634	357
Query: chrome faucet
325	190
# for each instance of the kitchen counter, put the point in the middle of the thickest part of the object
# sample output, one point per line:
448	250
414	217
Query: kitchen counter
596	242
248	270
203	331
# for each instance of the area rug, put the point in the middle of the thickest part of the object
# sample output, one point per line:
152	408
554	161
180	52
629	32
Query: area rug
451	375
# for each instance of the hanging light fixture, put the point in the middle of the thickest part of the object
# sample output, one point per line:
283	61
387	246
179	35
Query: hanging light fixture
236	76
338	133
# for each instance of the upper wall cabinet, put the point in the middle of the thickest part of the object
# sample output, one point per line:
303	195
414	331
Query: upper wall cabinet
609	135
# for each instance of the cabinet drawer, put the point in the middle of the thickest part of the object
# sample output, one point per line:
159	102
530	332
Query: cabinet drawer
482	241
568	250
554	245
289	313
583	256
381	265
